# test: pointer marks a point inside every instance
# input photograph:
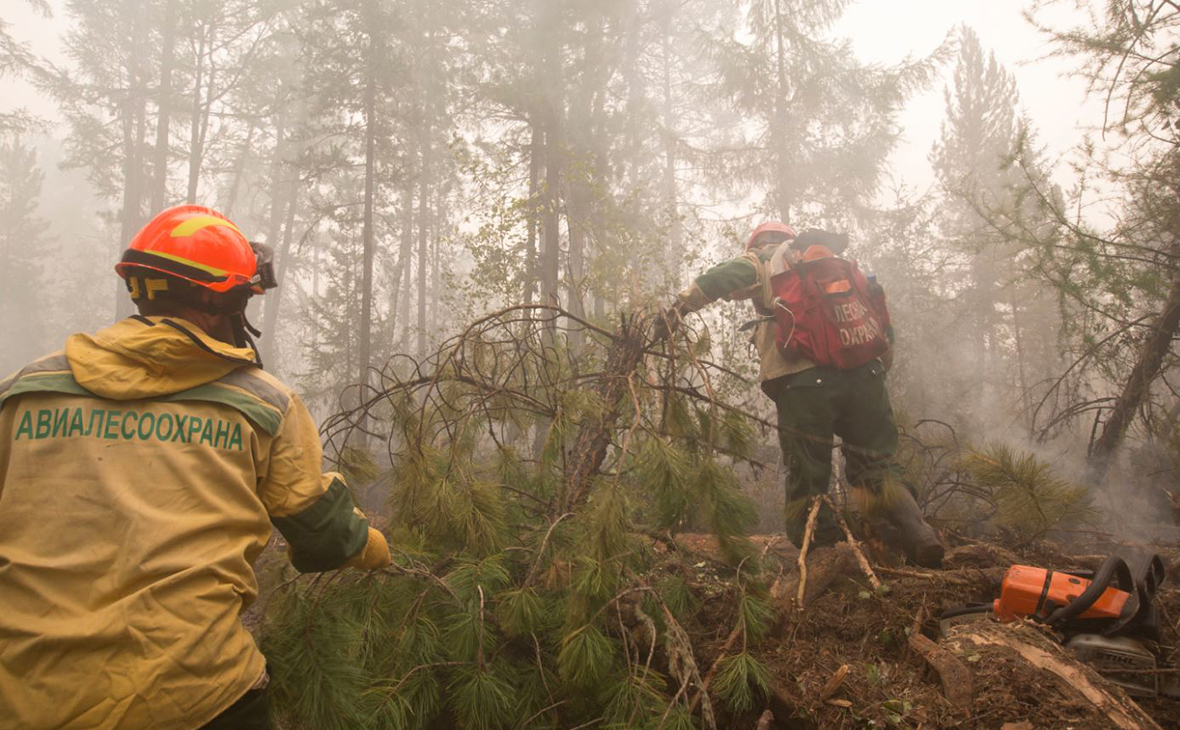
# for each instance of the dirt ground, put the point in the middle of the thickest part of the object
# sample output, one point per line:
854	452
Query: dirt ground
847	661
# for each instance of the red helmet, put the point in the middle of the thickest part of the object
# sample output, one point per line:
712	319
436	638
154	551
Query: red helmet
200	246
771	227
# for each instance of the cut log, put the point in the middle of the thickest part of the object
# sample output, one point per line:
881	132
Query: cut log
1019	658
824	565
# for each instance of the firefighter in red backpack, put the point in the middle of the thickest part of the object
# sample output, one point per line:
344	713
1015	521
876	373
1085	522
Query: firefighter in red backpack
824	382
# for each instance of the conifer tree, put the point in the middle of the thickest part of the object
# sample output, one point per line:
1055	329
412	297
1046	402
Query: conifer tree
15	58
823	122
1123	279
23	245
994	320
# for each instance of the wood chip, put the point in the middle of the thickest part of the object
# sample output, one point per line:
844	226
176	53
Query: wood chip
839	703
955	676
834	683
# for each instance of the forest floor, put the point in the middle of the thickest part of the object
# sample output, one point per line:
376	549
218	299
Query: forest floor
851	657
847	659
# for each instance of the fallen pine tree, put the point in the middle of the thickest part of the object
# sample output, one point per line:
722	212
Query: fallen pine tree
536	492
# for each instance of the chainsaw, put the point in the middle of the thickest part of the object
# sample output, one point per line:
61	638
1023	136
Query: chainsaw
1113	628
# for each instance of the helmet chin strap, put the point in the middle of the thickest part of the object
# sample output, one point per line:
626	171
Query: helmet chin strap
242	334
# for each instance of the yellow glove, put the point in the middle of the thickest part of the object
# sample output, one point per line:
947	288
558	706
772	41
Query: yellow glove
374	555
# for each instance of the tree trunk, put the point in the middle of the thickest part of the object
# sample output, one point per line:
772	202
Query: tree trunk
671	198
163	105
401	276
1017	336
365	345
436	259
536	151
1080	695
194	151
240	165
782	176
594	436
424	223
283	254
131	216
1147	368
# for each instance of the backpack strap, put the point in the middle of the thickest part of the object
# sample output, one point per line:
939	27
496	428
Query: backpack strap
766	302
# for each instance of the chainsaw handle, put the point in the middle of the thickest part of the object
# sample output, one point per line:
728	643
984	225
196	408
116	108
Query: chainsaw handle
1147	575
1112	567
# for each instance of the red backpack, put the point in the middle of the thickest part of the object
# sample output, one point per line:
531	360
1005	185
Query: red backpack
829	313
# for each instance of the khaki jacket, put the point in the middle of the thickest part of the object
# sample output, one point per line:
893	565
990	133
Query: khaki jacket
140	472
748	277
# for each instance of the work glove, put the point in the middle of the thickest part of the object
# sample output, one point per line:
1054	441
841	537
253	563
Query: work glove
666	323
374	555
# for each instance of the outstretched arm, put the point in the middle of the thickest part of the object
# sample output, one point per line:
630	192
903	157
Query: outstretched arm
314	511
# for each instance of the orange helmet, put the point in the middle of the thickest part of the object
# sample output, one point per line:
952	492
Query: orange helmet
777	227
201	246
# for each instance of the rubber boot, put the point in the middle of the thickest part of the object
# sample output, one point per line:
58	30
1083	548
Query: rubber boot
918	538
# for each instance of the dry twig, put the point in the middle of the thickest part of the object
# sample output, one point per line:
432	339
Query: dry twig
807	533
855	545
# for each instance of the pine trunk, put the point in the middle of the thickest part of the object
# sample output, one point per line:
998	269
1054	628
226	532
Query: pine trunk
594	437
163	105
364	347
536	151
131	216
1134	392
290	192
195	135
424	222
778	132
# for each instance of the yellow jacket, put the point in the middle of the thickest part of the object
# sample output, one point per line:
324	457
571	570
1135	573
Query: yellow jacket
140	472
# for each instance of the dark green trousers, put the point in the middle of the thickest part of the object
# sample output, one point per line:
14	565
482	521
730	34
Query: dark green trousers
813	407
251	712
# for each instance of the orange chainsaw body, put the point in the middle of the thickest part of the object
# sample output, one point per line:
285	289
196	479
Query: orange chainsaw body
1029	591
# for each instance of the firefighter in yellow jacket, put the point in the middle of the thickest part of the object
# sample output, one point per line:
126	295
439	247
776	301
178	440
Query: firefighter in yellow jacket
141	469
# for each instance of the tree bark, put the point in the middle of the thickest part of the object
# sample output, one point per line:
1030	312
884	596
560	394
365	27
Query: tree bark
290	194
401	276
195	134
365	345
134	129
671	196
163	109
782	172
424	221
594	436
536	151
1134	392
553	105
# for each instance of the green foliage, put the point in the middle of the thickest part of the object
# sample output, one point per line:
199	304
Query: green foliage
507	606
742	682
482	698
316	647
358	467
586	656
1029	499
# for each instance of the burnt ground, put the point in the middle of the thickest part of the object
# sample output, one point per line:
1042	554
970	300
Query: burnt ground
887	683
